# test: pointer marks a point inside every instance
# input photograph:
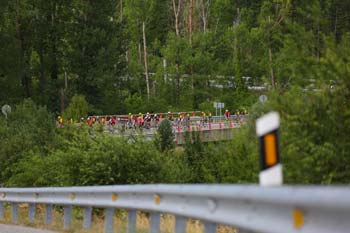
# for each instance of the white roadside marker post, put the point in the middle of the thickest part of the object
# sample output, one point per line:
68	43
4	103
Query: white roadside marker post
267	130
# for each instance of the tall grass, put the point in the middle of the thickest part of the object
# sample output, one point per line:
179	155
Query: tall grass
120	221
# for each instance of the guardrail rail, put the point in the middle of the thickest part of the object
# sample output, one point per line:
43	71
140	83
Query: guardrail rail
249	208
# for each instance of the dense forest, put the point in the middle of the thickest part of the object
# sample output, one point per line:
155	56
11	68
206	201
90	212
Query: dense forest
178	55
151	55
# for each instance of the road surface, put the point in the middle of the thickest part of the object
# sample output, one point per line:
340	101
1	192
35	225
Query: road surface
20	229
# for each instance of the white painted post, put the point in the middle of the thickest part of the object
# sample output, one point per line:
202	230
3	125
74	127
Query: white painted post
267	130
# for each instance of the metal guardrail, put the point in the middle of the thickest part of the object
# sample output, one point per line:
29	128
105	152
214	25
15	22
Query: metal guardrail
249	208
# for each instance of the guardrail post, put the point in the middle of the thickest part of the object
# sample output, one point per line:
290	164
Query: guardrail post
31	213
131	221
48	214
67	216
2	212
243	231
109	220
209	227
87	217
14	212
155	222
180	224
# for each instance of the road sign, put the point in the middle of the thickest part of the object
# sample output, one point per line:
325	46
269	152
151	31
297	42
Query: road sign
218	105
6	109
262	98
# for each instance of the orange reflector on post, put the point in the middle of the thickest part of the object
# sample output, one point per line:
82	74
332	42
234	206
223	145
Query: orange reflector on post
270	149
156	199
298	218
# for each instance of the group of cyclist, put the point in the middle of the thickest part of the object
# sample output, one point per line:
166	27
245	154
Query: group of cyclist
143	121
152	120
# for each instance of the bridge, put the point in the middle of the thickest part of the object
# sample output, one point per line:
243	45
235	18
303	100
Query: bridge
217	129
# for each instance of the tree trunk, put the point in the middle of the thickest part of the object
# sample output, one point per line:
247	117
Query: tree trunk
273	79
62	99
121	10
177	94
190	21
177	10
204	14
42	78
318	41
140	53
336	24
54	65
190	24
145	58
25	80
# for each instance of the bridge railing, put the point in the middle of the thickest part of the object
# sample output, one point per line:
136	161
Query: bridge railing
249	208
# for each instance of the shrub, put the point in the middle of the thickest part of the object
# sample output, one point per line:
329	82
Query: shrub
165	136
77	108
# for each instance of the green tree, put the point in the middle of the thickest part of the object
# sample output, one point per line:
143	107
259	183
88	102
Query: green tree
77	108
165	136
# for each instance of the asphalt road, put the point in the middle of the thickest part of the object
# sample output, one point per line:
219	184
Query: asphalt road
20	229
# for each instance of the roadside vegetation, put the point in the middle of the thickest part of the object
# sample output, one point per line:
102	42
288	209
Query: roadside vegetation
314	145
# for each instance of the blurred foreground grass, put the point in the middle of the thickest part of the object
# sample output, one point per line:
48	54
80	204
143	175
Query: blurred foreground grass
120	221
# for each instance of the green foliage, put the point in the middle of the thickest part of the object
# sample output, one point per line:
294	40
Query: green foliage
134	103
99	159
77	108
28	130
96	49
222	162
314	133
165	137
